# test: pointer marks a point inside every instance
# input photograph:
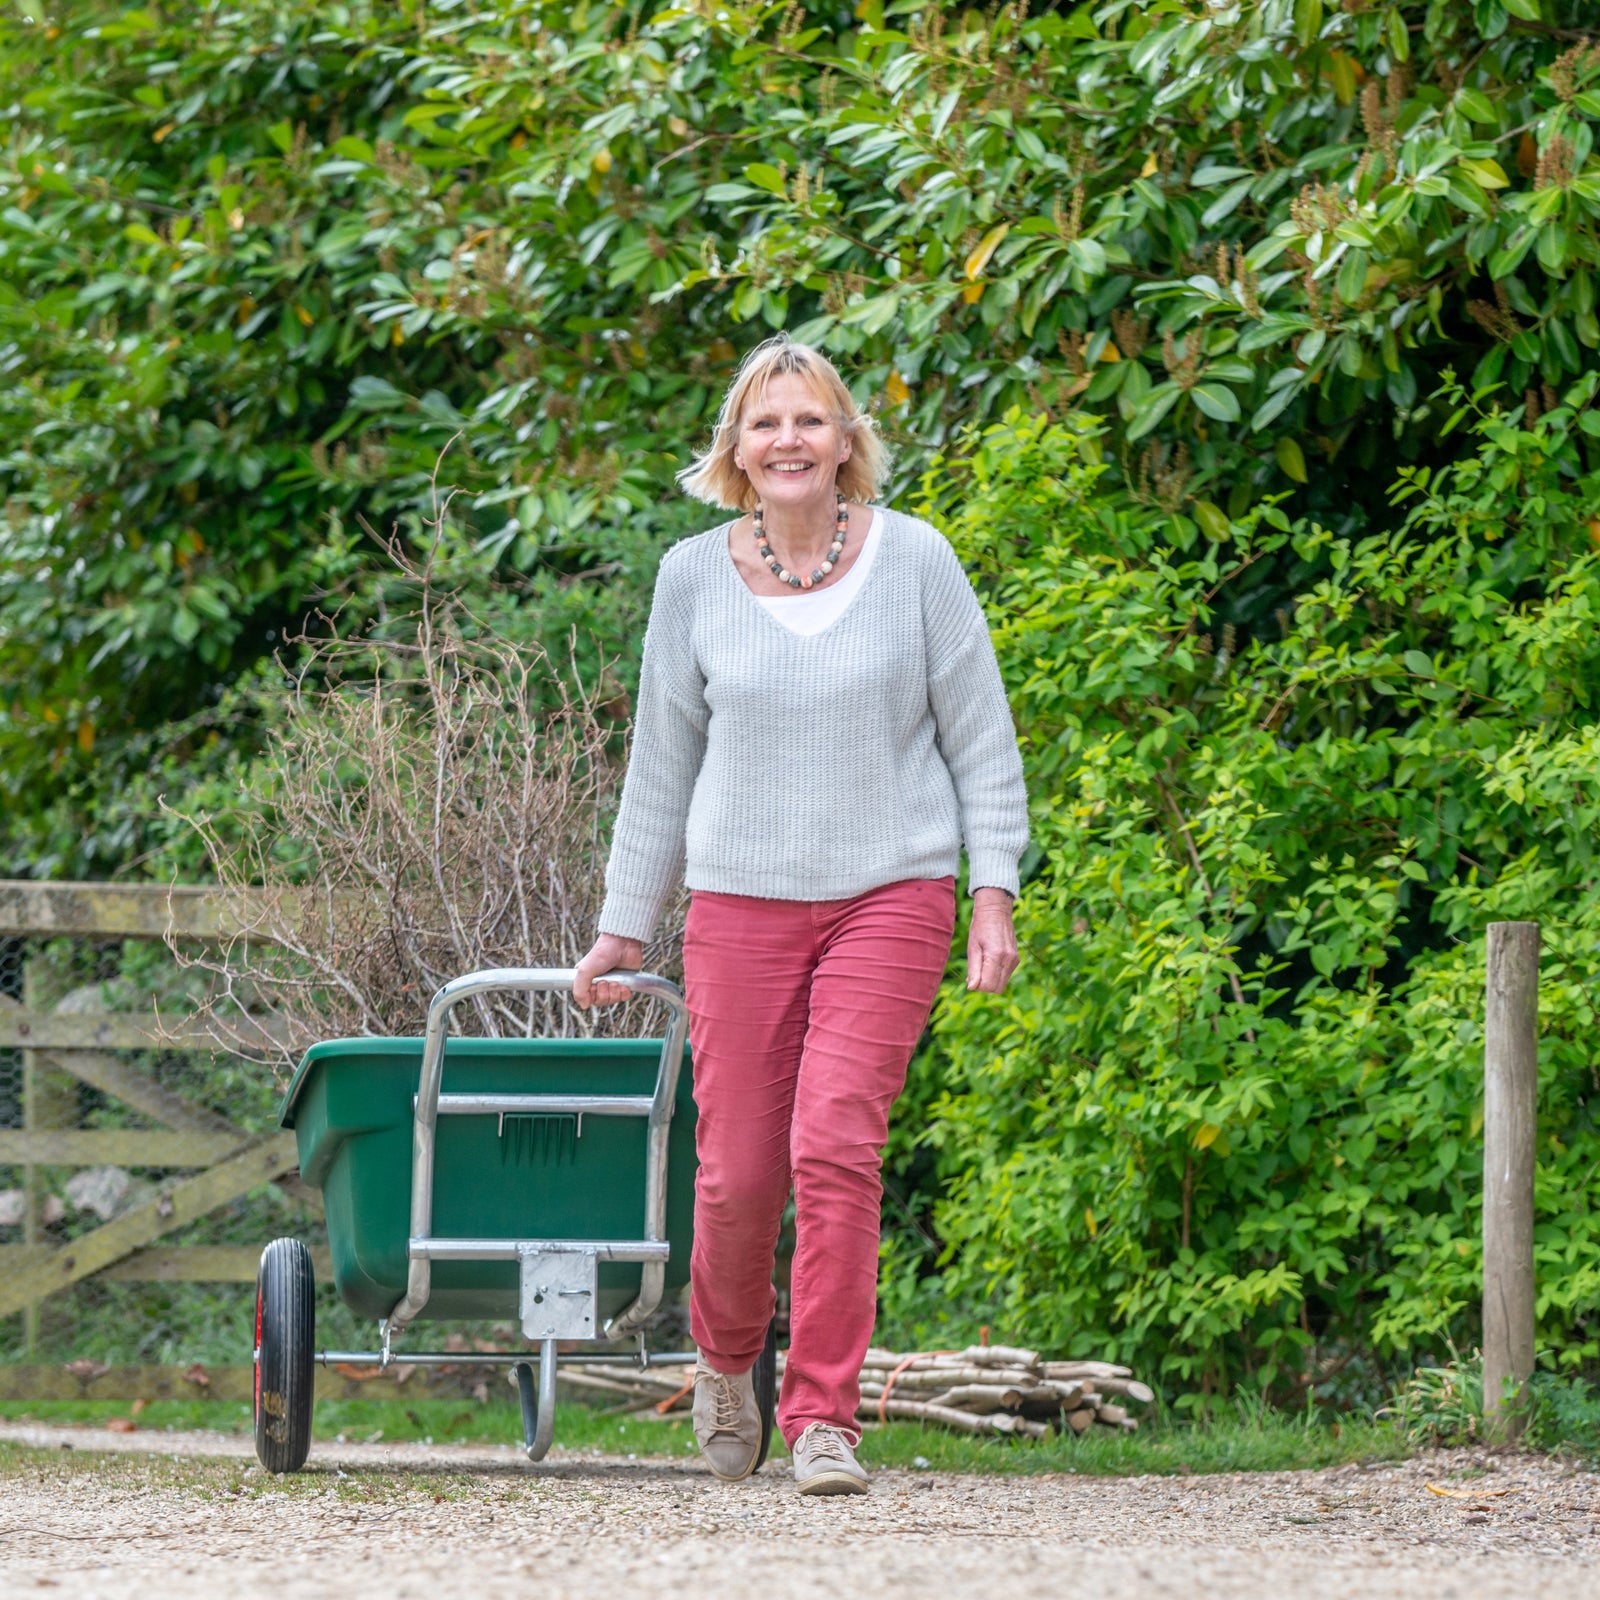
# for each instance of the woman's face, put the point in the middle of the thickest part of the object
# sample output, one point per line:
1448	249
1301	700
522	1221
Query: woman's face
790	444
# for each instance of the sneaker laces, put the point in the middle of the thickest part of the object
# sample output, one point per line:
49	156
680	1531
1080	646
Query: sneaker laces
825	1442
725	1404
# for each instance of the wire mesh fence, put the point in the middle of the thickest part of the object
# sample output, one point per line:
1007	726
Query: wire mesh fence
171	1304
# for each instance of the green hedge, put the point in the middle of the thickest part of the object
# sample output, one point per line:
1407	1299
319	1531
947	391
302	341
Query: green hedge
1228	1123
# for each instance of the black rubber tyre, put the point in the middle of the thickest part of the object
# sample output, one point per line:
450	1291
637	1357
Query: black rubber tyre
764	1375
285	1343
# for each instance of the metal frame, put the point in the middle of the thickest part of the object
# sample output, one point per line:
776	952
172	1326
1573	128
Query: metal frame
423	1249
538	1405
642	1359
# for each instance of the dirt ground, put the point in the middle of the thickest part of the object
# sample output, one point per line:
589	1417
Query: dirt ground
174	1516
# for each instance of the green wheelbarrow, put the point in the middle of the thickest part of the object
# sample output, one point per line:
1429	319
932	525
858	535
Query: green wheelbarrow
545	1181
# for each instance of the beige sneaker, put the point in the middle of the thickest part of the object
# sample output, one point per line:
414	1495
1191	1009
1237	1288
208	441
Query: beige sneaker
727	1421
824	1463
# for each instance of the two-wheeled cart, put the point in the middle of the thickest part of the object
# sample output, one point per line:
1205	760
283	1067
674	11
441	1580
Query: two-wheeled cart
550	1181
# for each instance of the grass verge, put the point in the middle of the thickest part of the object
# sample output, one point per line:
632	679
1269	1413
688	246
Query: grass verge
1250	1439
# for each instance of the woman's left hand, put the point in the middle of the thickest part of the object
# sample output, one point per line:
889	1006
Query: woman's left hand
991	943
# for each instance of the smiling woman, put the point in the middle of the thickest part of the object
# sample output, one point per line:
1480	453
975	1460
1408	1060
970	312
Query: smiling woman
814	778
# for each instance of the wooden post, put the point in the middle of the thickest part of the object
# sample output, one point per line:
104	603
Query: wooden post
1510	1108
32	1197
49	1100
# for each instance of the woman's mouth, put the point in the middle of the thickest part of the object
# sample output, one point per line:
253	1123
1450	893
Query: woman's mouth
789	468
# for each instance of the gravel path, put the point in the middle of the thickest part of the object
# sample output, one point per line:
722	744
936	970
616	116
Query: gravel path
181	1516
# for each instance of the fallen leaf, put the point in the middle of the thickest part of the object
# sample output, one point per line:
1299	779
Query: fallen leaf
1468	1494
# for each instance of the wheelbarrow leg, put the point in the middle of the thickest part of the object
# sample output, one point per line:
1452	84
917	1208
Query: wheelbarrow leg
538	1415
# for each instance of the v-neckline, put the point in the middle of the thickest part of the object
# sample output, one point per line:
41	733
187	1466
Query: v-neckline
755	599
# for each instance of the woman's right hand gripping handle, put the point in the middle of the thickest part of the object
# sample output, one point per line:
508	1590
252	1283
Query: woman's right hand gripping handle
608	954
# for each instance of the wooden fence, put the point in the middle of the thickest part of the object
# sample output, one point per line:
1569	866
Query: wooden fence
209	1162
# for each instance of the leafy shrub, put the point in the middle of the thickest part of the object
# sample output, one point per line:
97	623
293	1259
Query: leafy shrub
1227	1125
1441	1405
1564	1414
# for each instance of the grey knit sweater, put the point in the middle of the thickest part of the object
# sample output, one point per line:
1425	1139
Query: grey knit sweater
815	767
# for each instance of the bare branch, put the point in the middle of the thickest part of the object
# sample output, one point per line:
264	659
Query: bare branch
437	801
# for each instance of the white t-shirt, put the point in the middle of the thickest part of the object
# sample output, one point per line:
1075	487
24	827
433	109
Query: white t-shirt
815	609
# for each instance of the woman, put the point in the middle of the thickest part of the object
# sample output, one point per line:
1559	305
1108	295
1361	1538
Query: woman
821	724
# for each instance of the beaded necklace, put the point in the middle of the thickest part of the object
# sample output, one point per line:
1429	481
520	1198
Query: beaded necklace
830	561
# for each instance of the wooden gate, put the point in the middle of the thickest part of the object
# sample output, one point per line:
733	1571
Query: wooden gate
205	1160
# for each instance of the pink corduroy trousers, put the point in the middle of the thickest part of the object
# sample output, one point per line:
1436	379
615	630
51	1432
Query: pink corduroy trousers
803	1016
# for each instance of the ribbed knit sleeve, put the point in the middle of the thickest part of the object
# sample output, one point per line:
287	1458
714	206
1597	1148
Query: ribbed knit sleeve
973	718
669	741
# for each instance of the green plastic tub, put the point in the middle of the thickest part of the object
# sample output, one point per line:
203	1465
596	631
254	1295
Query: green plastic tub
351	1108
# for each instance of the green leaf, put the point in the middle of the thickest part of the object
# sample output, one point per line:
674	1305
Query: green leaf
1398	34
767	177
1274	406
1213	520
1488	172
1553	248
1307	21
1291	458
1352	281
1152	408
1218	403
1506	261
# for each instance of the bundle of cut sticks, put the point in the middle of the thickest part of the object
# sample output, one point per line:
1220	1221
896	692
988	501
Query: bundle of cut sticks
987	1388
992	1388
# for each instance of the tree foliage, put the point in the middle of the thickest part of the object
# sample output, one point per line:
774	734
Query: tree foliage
1230	1120
261	259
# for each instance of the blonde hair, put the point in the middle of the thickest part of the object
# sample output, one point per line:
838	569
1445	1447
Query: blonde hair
714	476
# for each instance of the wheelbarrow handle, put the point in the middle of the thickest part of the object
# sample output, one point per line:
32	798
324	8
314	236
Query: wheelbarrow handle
560	979
534	979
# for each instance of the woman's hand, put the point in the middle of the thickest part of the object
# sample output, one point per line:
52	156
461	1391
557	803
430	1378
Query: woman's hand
991	942
608	954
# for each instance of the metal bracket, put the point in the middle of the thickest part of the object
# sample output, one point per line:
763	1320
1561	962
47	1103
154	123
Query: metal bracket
559	1293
